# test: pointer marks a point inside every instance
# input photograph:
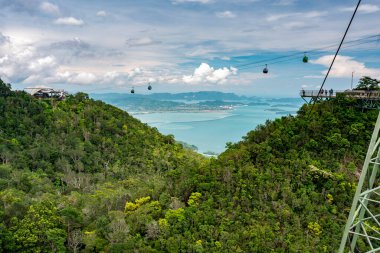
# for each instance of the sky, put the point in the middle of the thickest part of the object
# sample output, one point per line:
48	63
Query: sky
187	45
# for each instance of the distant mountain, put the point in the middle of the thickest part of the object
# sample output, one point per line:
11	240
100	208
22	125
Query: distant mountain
189	101
201	95
284	100
187	96
209	100
257	103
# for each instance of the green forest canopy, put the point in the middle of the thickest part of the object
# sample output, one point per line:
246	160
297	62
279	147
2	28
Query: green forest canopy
82	176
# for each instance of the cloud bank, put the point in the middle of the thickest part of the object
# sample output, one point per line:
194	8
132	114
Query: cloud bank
49	8
364	8
345	65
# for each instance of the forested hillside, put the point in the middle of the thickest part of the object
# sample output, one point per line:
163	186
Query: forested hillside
82	176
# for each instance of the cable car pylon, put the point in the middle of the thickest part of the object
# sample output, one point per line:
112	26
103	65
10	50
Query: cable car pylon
362	230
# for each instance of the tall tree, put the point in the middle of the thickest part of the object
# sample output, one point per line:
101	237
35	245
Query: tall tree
368	83
5	88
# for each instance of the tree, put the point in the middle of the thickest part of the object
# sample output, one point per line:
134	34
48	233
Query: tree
40	230
74	240
118	228
71	217
368	83
5	88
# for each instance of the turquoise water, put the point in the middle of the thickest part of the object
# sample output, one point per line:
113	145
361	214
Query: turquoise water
210	131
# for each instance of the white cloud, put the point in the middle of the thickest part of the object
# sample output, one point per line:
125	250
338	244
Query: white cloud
79	78
83	78
285	2
49	8
192	1
314	76
41	64
117	78
134	72
206	74
68	21
3	39
152	80
315	14
4	59
143	41
101	13
225	14
310	14
364	8
28	65
295	25
345	65
276	17
200	51
19	63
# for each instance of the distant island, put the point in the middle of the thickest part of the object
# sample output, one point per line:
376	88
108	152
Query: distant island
188	146
210	153
181	102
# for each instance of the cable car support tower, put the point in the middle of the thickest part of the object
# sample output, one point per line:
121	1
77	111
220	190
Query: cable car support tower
362	231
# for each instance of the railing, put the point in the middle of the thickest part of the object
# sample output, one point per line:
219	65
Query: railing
314	93
363	93
350	93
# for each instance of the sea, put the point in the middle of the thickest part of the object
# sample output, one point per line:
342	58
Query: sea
210	131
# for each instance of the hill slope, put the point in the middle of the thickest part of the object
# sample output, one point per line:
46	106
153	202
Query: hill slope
80	175
73	162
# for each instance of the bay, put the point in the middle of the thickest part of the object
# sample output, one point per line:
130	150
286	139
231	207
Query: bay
210	131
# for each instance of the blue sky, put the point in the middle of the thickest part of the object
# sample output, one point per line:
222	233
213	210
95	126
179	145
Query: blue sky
185	45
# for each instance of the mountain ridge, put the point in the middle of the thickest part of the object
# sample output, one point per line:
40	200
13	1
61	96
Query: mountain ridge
81	175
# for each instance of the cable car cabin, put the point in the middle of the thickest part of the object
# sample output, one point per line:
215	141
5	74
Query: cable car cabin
133	90
150	87
265	70
305	59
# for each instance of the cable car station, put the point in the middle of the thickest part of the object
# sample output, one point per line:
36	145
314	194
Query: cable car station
367	99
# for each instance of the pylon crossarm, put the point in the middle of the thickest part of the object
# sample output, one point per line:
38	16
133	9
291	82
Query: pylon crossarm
374	162
359	234
375	146
370	191
371	200
355	216
366	236
378	194
354	226
374	250
370	213
368	218
374	230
